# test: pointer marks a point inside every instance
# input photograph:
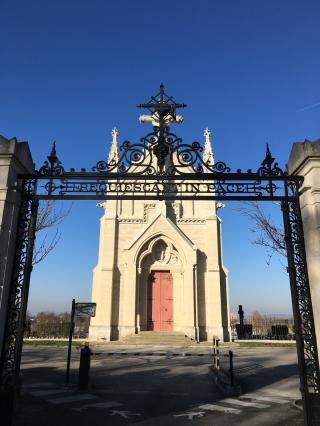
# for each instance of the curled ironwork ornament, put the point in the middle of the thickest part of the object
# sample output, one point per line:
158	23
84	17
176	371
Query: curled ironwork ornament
160	152
269	167
158	155
11	352
134	158
169	156
53	166
183	159
301	296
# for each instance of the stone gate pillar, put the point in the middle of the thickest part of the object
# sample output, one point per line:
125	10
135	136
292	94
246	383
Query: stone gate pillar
304	160
15	158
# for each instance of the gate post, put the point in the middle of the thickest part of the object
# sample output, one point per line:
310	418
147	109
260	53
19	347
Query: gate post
304	161
302	307
15	159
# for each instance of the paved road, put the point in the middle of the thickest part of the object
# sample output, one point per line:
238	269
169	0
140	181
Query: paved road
158	390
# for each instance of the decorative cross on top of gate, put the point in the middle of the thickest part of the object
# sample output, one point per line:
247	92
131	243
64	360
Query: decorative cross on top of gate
163	110
161	153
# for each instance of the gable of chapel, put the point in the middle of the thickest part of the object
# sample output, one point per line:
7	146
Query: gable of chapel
162	226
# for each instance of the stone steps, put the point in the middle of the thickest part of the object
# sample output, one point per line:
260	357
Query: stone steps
158	338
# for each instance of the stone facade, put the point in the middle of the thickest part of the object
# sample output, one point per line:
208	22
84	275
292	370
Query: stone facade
180	237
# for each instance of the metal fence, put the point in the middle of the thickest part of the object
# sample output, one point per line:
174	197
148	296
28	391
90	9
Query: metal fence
266	328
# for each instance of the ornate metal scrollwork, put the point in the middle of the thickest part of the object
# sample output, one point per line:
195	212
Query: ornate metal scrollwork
269	167
164	153
160	152
168	156
301	296
52	167
134	158
10	357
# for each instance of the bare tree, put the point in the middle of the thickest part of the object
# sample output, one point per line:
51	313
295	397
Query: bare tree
48	217
267	233
48	324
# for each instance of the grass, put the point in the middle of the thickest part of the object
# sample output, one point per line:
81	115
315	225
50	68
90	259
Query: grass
266	345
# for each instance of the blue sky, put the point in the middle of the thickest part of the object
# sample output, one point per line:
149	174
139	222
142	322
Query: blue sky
72	70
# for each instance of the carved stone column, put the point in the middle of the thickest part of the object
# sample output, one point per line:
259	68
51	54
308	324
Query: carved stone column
138	300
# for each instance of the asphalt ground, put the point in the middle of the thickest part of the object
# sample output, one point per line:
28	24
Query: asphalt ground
158	389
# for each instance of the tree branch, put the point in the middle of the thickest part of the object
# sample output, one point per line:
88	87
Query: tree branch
40	252
48	217
268	234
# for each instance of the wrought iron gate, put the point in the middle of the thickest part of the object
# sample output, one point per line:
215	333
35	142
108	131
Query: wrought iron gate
161	166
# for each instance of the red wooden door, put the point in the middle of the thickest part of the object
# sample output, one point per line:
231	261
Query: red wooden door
160	301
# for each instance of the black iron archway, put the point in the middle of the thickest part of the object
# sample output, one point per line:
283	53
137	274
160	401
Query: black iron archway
161	166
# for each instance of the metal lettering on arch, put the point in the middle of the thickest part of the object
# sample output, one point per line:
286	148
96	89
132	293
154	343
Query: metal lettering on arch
162	166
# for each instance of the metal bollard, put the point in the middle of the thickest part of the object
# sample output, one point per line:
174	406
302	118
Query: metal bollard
84	367
216	353
231	368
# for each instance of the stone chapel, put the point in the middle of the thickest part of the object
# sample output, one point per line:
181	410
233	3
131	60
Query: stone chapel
160	267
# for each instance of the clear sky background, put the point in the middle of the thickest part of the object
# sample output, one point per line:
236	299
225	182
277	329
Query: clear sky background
72	70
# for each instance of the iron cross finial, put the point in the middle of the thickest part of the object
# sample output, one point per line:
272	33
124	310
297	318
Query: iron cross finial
161	92
53	149
163	111
268	161
162	104
53	155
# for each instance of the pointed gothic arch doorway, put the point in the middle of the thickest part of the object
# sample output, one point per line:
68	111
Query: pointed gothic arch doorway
159	288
